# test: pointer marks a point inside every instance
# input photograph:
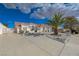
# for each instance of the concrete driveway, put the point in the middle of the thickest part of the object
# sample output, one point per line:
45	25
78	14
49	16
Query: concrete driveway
18	45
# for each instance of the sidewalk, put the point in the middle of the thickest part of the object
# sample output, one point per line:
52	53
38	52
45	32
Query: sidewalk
72	47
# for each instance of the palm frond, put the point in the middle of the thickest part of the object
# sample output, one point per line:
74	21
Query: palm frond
56	20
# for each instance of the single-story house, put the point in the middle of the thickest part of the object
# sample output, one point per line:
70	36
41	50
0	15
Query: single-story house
32	27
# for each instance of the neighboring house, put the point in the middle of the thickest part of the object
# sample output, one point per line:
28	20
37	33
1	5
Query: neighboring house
32	27
0	28
3	28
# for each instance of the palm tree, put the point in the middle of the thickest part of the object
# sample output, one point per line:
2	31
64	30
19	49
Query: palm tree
70	21
56	21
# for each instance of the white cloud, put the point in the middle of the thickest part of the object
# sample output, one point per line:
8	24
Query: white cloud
10	5
47	9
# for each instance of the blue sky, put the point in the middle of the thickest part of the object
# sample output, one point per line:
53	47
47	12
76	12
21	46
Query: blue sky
35	12
12	15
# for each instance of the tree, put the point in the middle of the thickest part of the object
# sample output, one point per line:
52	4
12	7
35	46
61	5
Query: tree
56	21
70	21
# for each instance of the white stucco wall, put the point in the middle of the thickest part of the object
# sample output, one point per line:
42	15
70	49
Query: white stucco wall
1	28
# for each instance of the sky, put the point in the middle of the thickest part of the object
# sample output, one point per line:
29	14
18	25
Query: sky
45	9
38	13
